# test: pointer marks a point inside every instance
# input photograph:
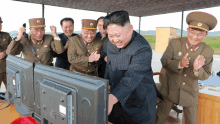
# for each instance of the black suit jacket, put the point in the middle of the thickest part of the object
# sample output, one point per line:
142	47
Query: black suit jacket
131	79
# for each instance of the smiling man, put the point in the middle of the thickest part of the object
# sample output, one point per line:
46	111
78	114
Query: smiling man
84	50
67	25
186	61
37	46
133	94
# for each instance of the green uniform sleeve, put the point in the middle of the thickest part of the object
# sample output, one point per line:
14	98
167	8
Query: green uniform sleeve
170	63
74	58
57	45
15	47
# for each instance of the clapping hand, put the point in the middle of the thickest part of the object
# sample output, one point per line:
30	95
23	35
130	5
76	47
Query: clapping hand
2	55
184	61
199	62
66	46
94	57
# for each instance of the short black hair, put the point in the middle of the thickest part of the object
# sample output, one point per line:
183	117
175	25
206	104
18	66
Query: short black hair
102	17
66	19
117	17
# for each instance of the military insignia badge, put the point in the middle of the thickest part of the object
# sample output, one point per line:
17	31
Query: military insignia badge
91	24
199	24
45	46
180	53
4	39
38	21
97	48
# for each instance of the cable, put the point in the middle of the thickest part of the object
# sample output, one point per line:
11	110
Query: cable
10	101
3	103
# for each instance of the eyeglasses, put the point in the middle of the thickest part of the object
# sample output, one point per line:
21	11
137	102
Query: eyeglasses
193	33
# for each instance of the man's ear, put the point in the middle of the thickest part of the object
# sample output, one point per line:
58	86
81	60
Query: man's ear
206	34
131	28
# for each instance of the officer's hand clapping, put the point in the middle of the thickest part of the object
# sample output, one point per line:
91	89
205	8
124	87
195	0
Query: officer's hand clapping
199	62
94	57
184	61
2	55
105	59
22	30
53	30
66	46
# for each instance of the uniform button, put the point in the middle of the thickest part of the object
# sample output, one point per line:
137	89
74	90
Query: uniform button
185	75
38	56
88	50
189	58
191	49
89	63
37	49
183	83
88	44
38	43
115	60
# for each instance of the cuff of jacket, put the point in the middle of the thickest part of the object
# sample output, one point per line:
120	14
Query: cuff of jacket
57	38
4	52
197	74
15	39
174	66
121	95
179	67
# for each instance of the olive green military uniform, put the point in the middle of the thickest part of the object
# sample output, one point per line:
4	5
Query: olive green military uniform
42	49
180	85
79	52
5	40
36	51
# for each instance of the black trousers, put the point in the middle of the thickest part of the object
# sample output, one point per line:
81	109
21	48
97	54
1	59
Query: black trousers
119	116
3	78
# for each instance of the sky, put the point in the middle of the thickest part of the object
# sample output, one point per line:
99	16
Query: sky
15	13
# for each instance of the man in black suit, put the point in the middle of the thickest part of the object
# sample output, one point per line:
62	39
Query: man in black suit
67	25
133	94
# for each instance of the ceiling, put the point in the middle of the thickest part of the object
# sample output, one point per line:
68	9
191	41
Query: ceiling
137	8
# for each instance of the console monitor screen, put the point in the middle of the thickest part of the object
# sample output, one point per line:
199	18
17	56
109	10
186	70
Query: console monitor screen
20	84
65	97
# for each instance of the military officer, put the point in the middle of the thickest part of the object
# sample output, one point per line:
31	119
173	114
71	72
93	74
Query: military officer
37	46
84	50
5	40
186	61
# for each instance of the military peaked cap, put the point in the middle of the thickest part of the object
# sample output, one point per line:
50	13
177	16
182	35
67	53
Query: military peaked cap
201	20
89	24
37	22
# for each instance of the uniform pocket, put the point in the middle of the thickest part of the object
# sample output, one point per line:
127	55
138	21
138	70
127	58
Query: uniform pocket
46	49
